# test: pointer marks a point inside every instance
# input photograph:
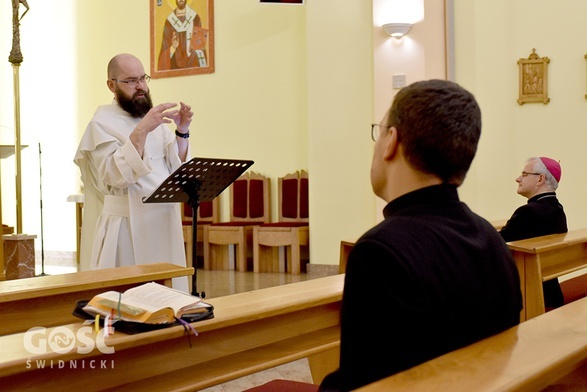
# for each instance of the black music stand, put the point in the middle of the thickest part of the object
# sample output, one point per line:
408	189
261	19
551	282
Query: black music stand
200	179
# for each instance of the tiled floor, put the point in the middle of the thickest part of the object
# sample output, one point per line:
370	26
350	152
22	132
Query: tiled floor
297	371
219	283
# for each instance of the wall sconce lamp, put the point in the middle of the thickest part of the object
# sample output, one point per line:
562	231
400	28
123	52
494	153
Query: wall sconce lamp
397	30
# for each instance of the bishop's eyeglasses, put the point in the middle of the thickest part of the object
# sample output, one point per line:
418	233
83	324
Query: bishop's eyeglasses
525	174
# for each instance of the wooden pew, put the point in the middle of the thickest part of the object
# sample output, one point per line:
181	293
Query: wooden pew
547	257
49	300
251	331
345	250
537	259
535	354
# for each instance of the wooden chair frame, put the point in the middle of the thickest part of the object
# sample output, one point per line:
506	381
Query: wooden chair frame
238	232
269	237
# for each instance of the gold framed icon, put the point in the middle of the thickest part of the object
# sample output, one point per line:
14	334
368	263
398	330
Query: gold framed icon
533	79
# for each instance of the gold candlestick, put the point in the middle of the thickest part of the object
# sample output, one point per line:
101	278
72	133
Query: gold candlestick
15	59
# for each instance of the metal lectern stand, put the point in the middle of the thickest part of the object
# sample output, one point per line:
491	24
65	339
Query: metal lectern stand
200	179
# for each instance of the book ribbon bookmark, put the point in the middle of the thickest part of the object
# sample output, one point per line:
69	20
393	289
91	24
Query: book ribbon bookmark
187	327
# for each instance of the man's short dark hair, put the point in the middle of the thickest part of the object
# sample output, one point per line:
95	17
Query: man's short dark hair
439	126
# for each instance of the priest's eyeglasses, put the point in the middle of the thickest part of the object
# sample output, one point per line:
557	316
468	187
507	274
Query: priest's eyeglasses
132	83
376	131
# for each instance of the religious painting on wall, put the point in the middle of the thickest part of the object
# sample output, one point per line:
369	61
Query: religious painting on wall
533	79
182	37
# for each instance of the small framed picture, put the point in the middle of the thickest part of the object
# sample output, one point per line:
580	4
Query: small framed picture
533	79
182	37
586	79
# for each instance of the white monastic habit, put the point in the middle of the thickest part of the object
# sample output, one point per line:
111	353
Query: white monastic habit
118	228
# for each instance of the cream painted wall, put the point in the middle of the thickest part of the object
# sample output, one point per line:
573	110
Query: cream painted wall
282	73
252	107
490	37
340	109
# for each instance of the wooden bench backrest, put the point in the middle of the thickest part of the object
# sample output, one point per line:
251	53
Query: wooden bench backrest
49	300
529	357
250	332
550	242
537	259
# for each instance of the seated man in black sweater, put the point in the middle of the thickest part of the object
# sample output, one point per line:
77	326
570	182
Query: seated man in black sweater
433	276
542	215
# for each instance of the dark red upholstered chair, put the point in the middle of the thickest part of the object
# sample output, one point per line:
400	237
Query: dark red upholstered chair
292	231
249	200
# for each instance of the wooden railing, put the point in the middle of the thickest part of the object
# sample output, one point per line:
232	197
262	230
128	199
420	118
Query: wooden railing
250	332
49	300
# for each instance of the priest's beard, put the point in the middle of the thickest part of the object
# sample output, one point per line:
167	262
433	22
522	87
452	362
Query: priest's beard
138	105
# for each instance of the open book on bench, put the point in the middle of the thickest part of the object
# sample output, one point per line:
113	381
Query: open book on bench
150	303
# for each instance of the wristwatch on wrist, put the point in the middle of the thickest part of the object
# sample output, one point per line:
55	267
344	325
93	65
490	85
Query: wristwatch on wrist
182	135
